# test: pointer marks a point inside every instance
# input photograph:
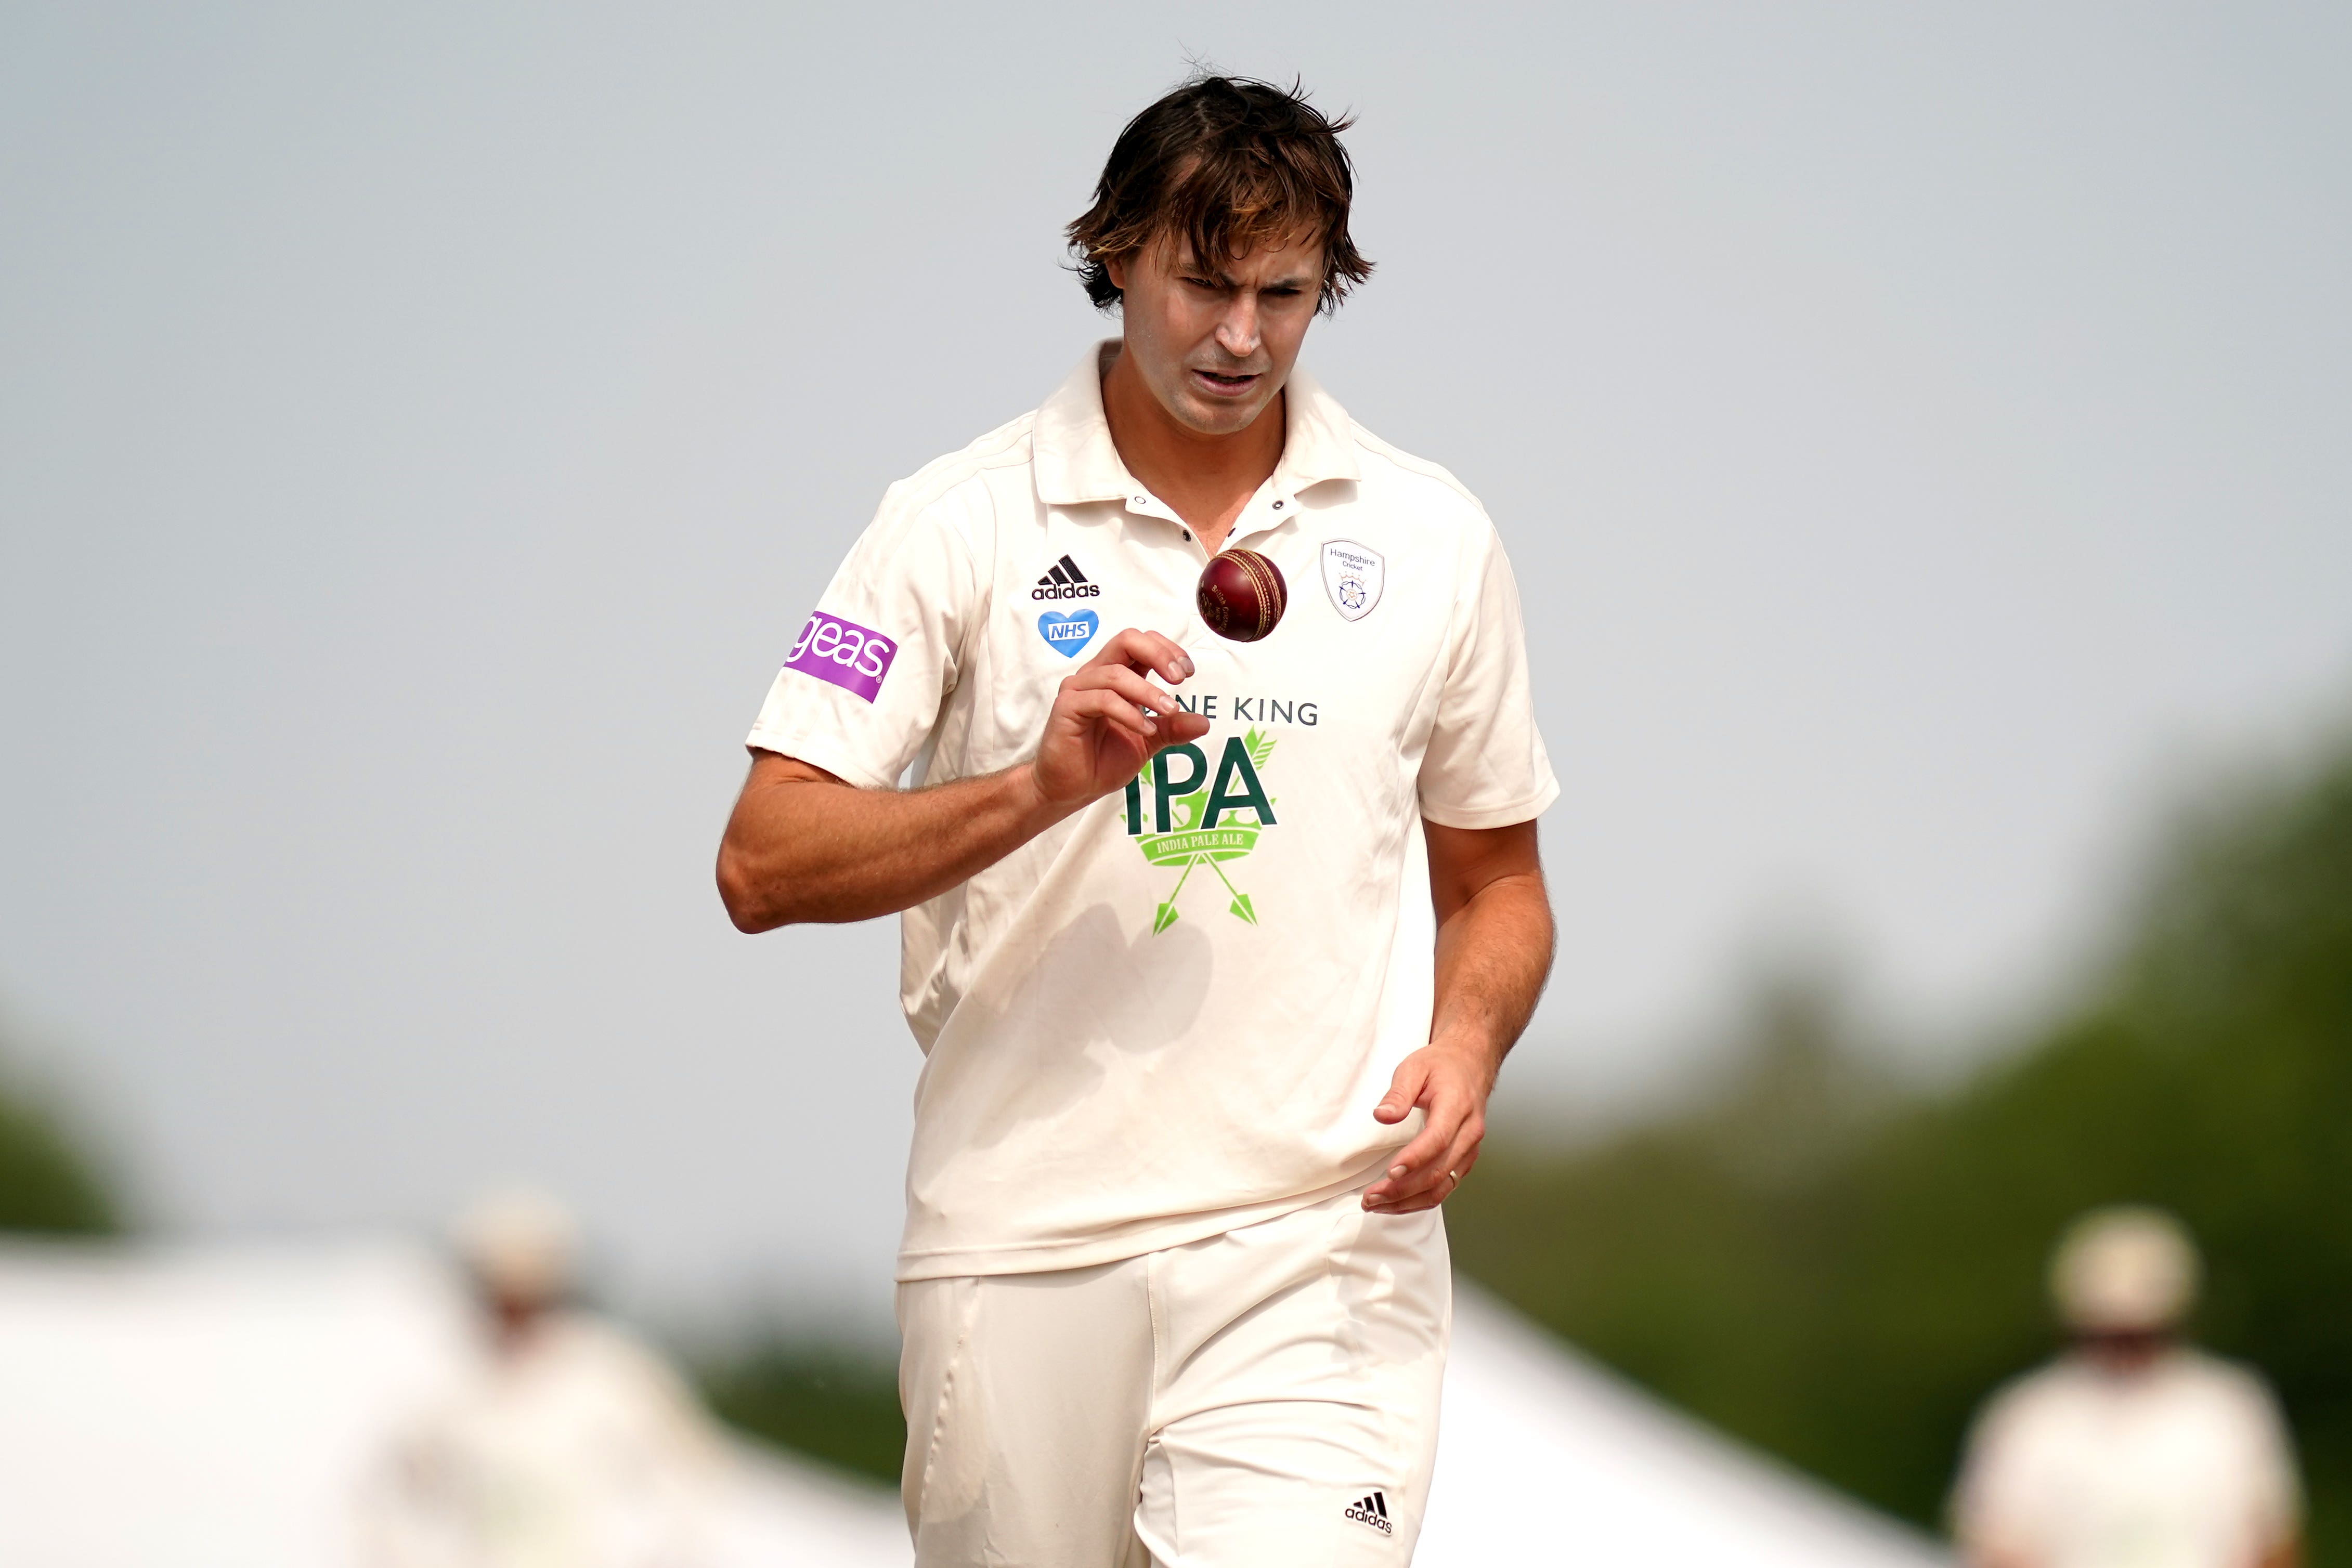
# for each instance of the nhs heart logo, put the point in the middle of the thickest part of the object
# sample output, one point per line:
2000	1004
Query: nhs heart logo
1066	635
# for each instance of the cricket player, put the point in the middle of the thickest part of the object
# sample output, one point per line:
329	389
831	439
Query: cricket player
2134	1450
1213	948
571	1444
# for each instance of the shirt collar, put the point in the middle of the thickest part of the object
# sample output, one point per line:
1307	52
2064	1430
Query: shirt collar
1074	460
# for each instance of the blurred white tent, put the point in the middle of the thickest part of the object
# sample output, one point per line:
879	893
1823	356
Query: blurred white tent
1547	1457
226	1408
222	1407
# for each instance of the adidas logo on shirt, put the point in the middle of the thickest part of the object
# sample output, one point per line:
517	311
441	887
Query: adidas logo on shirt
1064	581
1371	1508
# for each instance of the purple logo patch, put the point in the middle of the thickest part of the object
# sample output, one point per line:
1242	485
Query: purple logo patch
844	652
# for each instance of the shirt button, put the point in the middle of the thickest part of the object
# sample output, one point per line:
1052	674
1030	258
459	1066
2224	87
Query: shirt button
1277	505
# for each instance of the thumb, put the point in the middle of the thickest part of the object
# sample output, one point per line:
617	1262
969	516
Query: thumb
1404	1090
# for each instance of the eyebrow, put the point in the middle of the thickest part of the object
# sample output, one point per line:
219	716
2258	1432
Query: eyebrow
1229	281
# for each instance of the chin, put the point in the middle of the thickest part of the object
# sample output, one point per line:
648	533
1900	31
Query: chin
1220	418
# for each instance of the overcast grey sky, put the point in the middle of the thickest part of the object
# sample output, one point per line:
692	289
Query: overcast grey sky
422	432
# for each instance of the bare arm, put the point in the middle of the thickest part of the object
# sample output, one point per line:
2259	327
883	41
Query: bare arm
805	846
1493	950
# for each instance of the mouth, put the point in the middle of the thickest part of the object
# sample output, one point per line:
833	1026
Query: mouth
1221	384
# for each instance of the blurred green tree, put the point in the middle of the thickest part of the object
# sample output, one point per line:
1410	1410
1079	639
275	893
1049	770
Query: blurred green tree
1840	1273
834	1402
47	1182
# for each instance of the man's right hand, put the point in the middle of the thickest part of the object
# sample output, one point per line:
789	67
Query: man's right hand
1099	735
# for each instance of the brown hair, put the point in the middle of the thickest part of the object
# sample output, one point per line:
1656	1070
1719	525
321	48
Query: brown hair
1229	164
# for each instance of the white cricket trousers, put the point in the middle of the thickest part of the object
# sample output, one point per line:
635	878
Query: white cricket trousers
1266	1398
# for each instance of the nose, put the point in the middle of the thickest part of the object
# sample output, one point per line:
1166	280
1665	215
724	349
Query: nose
1238	327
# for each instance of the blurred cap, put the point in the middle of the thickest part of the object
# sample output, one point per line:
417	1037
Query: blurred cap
521	1242
2124	1271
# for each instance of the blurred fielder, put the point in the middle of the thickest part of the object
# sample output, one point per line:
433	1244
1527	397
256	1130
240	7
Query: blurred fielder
2132	1450
1204	1051
569	1445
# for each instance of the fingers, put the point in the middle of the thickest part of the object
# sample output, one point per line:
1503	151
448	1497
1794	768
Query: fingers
1404	1090
1111	708
1422	1164
1430	1183
1445	1186
1181	726
1121	667
1126	683
1140	651
1428	1170
1111	703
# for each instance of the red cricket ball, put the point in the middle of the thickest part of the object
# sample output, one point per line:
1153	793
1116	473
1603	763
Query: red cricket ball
1242	595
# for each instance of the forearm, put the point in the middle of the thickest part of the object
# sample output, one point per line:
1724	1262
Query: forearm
1493	954
1494	949
803	848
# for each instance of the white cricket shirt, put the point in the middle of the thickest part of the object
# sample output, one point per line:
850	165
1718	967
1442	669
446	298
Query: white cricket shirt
2186	1465
1171	1014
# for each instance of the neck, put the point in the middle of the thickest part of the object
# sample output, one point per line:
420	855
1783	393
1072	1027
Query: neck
1208	479
2125	1353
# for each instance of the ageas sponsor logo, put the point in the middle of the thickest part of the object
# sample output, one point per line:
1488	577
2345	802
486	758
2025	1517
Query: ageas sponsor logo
1063	580
853	657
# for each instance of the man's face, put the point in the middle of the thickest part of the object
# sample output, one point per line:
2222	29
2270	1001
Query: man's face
1215	343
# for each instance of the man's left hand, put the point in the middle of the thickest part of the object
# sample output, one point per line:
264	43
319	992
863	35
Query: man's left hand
1450	1083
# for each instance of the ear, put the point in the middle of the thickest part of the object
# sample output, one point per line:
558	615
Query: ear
1116	269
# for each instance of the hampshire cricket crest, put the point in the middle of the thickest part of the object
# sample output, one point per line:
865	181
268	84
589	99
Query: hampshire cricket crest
1195	819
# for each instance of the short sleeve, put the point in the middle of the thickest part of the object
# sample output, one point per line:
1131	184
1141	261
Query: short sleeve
1486	765
864	678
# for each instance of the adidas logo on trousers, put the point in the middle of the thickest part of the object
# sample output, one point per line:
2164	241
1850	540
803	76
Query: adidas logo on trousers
1371	1508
